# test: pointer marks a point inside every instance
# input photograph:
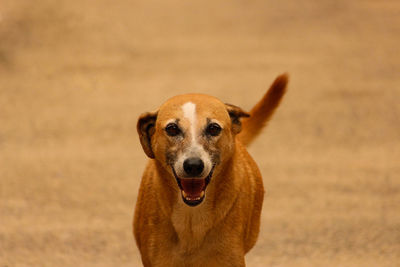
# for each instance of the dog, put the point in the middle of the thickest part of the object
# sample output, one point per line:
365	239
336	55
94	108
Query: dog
201	193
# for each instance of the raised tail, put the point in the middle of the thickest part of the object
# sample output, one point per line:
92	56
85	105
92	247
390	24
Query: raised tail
263	110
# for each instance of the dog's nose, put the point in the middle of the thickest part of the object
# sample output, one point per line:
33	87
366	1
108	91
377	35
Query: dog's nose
193	166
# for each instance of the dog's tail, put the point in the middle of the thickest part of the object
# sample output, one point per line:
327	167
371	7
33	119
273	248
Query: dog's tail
263	110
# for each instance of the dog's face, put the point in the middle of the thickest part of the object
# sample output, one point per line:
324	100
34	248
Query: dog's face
191	136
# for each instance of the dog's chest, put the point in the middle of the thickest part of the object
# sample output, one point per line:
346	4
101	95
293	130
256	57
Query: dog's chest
191	225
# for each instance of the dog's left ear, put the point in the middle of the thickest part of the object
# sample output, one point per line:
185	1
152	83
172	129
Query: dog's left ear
146	128
236	114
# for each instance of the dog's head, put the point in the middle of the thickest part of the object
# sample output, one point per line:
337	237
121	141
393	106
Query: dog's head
190	136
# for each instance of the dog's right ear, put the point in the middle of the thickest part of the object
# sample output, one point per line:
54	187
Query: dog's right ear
146	128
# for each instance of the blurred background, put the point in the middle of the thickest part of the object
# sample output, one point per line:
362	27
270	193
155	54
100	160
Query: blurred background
75	75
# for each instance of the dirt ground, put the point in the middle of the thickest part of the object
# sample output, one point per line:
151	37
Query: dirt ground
75	75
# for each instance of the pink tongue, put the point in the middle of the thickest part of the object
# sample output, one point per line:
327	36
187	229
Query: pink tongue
193	187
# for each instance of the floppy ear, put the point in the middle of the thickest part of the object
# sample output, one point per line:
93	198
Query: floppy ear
236	114
146	128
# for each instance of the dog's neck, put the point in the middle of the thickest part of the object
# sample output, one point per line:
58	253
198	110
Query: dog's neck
192	223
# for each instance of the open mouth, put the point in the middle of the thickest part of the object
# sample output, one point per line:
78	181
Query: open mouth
193	189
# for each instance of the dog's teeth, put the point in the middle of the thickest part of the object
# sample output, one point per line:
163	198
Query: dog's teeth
194	198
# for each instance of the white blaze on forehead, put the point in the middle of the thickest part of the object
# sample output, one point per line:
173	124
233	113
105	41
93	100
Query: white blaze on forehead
194	149
189	112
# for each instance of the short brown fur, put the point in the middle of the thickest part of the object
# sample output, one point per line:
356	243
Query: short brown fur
222	229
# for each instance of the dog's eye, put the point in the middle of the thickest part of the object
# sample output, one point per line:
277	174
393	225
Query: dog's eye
172	129
213	129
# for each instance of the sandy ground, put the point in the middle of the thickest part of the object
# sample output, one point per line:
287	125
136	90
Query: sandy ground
75	75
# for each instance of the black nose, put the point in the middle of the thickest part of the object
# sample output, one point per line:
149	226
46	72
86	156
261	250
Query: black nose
193	166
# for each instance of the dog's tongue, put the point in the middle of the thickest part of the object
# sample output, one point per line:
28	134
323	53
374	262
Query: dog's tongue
193	186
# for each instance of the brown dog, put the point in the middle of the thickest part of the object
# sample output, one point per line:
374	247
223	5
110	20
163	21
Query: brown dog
201	194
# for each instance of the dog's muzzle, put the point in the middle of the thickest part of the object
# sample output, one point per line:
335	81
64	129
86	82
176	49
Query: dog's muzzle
193	189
